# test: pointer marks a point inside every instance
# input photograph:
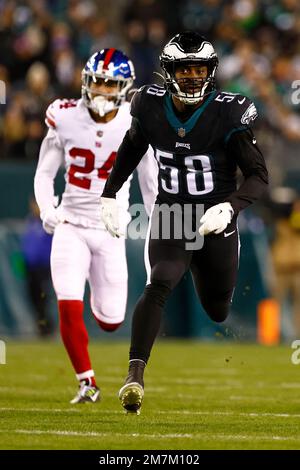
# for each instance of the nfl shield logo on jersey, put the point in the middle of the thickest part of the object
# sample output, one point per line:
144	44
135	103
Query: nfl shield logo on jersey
181	132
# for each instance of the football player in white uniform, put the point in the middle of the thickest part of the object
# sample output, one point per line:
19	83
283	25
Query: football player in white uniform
84	136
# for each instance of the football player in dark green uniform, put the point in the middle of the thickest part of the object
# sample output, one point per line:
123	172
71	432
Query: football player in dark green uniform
200	137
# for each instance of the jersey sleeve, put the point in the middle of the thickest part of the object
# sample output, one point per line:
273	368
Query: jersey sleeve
243	148
241	115
130	153
50	159
51	118
136	103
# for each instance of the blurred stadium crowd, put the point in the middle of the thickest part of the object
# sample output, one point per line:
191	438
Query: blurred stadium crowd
45	43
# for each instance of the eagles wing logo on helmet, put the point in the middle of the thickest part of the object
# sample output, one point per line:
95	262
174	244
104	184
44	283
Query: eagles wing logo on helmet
175	51
249	115
189	48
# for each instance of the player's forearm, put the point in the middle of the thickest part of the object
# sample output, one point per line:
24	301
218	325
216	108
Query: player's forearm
50	159
244	149
43	191
250	191
128	157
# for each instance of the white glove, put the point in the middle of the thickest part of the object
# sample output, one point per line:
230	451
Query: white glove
216	219
110	216
51	218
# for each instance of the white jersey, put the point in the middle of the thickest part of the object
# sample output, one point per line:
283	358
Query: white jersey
87	149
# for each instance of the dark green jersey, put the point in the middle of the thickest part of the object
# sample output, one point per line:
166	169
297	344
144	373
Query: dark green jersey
198	153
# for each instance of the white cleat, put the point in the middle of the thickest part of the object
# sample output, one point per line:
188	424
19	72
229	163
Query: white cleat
86	394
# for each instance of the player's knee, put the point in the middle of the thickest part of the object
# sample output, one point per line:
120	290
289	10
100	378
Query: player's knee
158	291
217	309
167	273
108	327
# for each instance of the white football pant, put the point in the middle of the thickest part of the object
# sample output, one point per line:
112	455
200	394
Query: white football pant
83	254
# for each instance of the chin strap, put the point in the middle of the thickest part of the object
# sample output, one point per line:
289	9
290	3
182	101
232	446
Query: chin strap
102	106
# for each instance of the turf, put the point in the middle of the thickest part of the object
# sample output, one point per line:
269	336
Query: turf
198	396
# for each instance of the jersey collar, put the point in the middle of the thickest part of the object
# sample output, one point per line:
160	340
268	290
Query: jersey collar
182	128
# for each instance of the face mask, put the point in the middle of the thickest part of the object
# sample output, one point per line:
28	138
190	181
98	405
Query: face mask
102	106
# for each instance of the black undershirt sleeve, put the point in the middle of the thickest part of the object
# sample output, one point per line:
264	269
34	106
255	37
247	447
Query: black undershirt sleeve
130	153
243	148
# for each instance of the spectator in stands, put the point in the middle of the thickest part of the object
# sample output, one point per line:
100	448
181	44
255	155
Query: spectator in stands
286	260
36	247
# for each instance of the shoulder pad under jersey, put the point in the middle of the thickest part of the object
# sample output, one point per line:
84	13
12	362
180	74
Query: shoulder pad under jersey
56	109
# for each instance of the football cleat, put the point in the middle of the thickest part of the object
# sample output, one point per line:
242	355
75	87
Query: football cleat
132	393
131	396
86	394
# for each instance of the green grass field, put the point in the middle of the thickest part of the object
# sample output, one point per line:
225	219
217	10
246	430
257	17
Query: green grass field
198	396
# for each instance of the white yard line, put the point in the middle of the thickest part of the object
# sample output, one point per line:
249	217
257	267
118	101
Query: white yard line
231	413
203	381
198	436
213	371
289	385
178	412
57	410
256	398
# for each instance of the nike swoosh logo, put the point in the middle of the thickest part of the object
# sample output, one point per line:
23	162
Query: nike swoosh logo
241	101
228	234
